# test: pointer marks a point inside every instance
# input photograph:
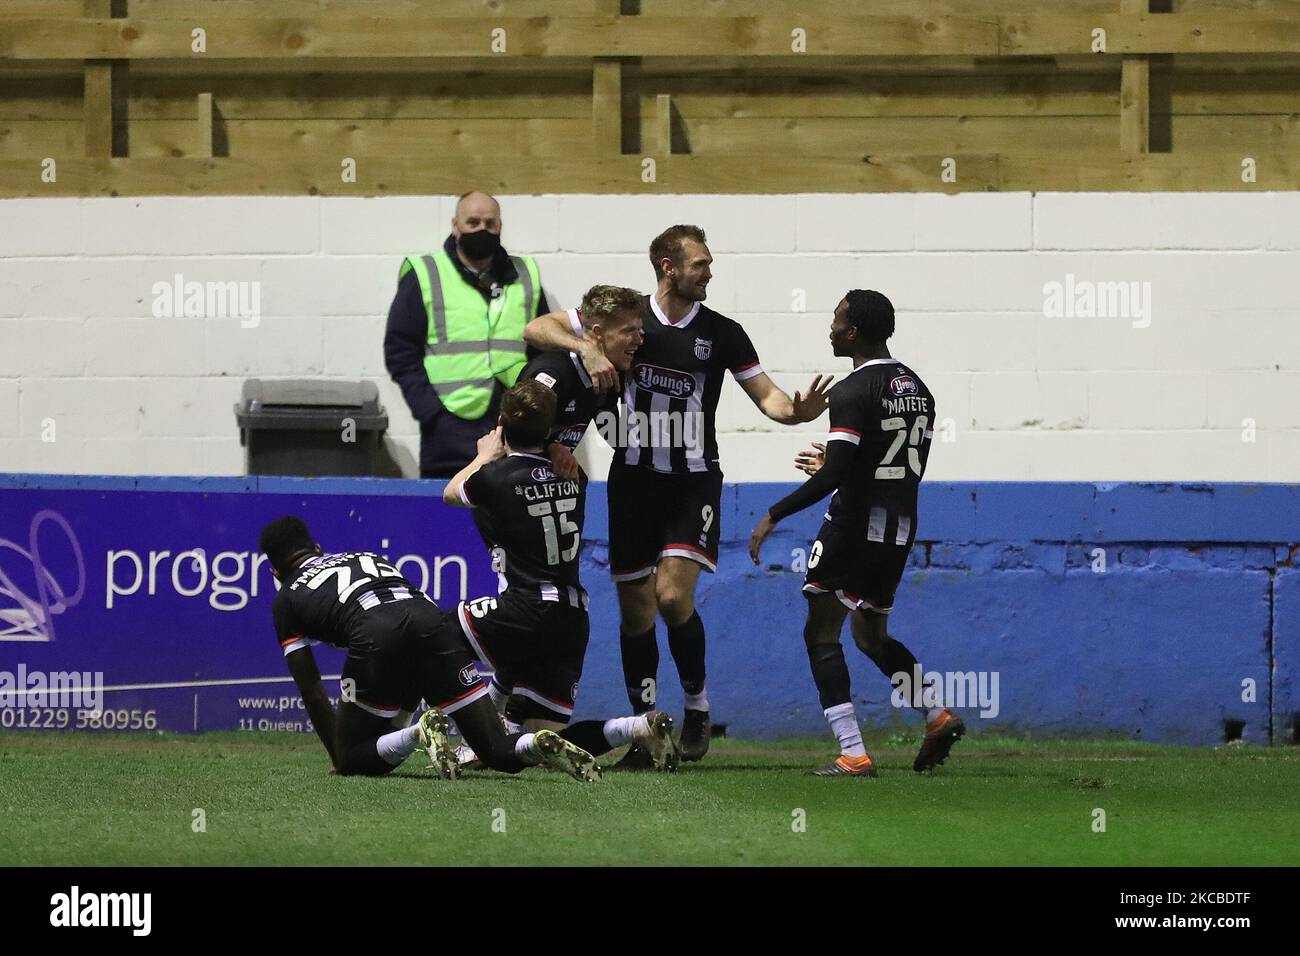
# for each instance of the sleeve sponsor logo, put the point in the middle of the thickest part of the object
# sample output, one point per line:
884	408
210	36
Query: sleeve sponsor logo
904	385
571	437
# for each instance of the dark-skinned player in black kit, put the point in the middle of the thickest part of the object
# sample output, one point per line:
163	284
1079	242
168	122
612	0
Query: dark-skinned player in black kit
881	429
401	648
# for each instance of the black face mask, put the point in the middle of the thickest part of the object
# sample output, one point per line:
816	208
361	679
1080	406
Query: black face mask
479	245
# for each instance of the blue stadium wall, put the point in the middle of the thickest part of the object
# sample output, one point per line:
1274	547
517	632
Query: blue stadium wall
1160	612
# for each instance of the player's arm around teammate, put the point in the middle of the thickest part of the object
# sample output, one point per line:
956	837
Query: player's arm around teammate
554	331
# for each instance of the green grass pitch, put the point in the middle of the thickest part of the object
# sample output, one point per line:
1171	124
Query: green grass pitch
267	799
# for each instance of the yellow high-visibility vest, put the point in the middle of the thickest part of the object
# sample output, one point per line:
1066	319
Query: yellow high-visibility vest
473	343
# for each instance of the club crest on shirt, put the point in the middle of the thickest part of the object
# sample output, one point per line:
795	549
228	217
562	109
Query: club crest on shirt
903	385
703	349
572	406
542	473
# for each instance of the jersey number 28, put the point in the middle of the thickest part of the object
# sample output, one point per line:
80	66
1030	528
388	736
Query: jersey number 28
913	438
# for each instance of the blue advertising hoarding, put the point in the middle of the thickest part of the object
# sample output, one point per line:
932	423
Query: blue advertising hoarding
1166	612
164	597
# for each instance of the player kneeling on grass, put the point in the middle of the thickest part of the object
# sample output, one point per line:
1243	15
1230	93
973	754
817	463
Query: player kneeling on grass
874	456
401	648
534	632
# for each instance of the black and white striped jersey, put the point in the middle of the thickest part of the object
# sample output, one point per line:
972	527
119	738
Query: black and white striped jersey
886	412
670	395
532	519
322	599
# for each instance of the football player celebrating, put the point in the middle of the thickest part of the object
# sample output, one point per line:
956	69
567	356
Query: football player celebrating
880	434
401	648
611	317
665	483
534	632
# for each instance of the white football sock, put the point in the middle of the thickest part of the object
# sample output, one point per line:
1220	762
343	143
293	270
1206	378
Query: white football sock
698	701
844	724
398	745
527	751
622	730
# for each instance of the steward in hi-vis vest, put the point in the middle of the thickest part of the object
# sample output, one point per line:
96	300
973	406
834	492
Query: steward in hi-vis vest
455	335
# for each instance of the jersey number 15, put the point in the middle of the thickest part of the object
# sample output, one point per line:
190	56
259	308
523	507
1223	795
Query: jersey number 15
544	510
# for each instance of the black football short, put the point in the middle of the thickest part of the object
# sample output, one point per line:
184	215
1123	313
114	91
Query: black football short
654	515
863	574
405	651
535	648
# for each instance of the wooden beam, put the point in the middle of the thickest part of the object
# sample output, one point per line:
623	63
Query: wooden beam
1135	94
1099	170
435	37
207	127
97	95
1064	34
607	107
663	142
737	8
232	38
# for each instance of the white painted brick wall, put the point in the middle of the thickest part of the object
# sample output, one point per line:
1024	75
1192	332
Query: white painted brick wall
1012	400
1029	397
200	226
1121	401
878	222
9	408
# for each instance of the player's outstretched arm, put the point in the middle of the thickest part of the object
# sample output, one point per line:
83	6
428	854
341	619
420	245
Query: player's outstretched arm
554	331
305	673
490	447
780	407
838	461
